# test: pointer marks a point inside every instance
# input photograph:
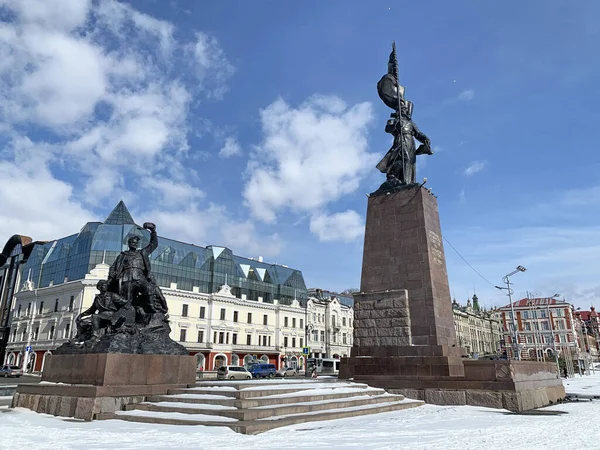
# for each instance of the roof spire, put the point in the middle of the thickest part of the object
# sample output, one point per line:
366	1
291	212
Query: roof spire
119	215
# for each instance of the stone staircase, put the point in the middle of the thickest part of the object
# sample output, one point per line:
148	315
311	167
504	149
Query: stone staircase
252	407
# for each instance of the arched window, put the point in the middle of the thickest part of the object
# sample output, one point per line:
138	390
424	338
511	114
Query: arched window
293	362
220	360
200	360
248	359
264	358
31	362
11	359
235	360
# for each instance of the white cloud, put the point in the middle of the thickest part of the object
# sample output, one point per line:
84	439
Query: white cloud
103	85
466	95
475	167
346	226
211	62
173	194
243	238
230	148
32	201
213	225
309	156
462	196
56	14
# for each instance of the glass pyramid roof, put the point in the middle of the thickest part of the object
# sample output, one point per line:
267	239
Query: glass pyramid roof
119	216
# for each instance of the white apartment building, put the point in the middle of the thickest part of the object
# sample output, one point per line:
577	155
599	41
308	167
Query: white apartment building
218	328
478	332
329	327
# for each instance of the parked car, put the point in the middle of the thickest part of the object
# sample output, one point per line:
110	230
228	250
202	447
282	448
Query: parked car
11	371
262	370
286	372
233	373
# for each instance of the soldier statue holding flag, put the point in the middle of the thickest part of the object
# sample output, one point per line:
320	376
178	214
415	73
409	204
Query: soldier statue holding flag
399	162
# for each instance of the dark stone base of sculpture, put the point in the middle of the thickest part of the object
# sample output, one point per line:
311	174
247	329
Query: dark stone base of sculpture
139	342
392	185
404	336
92	384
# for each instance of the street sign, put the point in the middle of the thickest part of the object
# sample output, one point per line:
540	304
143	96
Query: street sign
305	350
28	348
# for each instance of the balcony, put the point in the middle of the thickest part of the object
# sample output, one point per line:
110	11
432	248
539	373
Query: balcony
255	348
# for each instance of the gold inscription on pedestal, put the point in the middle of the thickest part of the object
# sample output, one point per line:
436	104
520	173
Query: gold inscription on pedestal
435	246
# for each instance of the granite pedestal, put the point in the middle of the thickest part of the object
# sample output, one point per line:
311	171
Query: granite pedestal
404	336
83	386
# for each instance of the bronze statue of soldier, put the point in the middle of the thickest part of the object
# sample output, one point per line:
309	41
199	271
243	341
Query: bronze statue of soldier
399	162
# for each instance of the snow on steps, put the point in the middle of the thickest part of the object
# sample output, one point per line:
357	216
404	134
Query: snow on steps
255	408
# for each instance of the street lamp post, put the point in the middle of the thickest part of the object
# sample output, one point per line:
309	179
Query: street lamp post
515	337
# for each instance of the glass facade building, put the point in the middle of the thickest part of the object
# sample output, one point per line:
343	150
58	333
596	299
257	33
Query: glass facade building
193	268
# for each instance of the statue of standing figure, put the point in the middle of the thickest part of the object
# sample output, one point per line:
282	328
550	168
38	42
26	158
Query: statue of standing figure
129	314
130	299
399	162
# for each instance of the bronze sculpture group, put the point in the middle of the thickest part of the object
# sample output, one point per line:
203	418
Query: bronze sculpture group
399	162
130	299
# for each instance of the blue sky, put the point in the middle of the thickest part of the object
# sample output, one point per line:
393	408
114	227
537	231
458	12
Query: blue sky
257	125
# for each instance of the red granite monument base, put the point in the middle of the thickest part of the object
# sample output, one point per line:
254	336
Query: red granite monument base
83	386
404	336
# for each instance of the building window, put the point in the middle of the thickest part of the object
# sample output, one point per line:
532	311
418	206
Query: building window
56	305
322	336
71	303
301	342
343	321
294	342
182	335
221	337
215	337
285	322
545	325
234	339
67	331
24	334
264	339
28	308
314	317
349	322
249	317
36	334
200	335
333	321
525	315
248	339
14	335
527	326
51	332
293	322
223	312
301	323
265	319
19	311
235	316
202	312
269	341
184	310
285	342
344	338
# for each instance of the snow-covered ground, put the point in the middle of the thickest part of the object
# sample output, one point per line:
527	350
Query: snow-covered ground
569	425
